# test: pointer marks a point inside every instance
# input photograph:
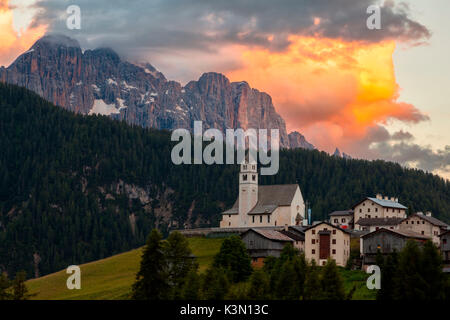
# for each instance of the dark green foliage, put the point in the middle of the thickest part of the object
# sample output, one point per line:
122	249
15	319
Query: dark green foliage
215	284
15	289
151	280
179	262
5	284
313	288
59	177
331	282
191	289
414	274
234	259
259	287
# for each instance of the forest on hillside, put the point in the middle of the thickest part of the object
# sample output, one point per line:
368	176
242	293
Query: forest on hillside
77	188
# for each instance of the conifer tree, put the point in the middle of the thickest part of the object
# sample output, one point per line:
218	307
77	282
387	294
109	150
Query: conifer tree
19	289
215	284
259	288
5	284
431	271
151	280
179	262
331	282
411	284
192	285
313	289
234	259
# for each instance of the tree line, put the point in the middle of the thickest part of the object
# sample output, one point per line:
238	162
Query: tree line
59	172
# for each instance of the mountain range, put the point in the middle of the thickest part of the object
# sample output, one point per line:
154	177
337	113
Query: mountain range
99	81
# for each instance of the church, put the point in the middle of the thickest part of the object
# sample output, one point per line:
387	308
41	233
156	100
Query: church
263	206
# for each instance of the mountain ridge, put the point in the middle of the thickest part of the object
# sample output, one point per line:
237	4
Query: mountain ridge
99	81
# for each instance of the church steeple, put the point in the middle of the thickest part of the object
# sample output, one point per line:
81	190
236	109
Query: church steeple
248	189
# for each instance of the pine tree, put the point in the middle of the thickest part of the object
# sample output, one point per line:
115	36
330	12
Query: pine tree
179	262
389	281
331	282
215	284
191	288
234	259
5	284
313	289
411	285
431	271
151	280
259	288
19	289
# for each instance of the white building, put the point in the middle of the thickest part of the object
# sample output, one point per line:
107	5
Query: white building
263	206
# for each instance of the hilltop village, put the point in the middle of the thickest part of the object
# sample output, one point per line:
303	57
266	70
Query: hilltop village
267	217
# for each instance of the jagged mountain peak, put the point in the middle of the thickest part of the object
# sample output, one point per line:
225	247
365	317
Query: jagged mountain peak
98	81
56	39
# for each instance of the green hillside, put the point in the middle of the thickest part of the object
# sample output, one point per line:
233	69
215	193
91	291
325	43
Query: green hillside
111	278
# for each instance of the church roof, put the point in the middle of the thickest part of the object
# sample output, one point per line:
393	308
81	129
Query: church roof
269	198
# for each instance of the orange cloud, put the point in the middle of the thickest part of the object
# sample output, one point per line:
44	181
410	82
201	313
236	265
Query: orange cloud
11	43
330	90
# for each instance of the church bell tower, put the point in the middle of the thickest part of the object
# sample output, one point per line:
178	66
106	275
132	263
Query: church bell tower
248	190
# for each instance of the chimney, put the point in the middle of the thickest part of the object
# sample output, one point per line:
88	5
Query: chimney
285	227
428	213
386	198
396	199
392	199
379	196
420	212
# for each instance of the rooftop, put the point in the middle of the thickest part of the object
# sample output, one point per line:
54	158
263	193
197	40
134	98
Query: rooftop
379	221
342	213
270	197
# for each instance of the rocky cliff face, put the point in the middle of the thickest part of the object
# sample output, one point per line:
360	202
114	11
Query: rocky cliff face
98	81
297	140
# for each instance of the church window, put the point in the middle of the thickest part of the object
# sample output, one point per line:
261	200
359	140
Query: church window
253	167
268	219
260	219
244	177
253	177
253	219
245	167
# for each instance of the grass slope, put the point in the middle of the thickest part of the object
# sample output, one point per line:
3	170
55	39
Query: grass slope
110	278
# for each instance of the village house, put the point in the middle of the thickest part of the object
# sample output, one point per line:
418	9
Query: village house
372	224
426	225
378	207
262	243
445	249
263	206
324	240
342	219
386	241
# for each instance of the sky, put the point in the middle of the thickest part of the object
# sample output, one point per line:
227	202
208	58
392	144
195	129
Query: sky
374	94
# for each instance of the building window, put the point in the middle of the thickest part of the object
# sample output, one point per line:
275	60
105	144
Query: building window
229	216
244	177
253	167
360	210
444	241
268	219
423	232
313	241
260	219
253	219
334	231
313	231
229	223
368	210
343	220
376	209
412	222
313	251
423	222
334	241
334	251
245	167
253	177
406	222
336	220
